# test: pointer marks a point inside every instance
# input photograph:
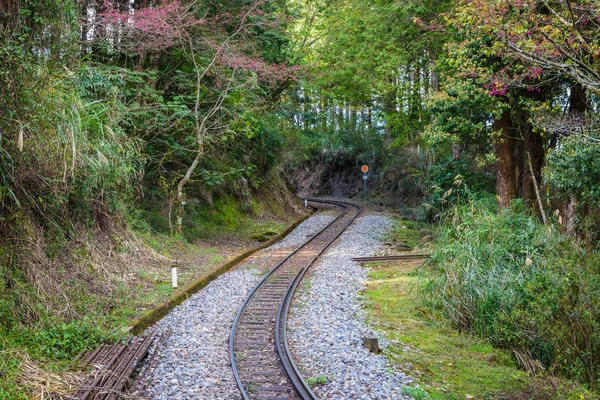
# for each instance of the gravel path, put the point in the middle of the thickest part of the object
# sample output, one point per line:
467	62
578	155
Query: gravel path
193	362
327	323
304	231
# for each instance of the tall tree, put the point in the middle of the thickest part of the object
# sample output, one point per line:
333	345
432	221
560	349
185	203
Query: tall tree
220	48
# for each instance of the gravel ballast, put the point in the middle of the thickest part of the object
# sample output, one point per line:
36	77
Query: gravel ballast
327	323
192	362
304	231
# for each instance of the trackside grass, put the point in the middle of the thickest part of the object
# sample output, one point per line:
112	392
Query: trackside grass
446	363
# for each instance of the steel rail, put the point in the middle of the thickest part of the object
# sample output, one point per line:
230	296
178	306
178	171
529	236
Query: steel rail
392	257
345	207
281	341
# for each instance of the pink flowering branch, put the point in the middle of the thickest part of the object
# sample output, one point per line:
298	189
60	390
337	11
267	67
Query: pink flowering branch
149	29
219	46
561	37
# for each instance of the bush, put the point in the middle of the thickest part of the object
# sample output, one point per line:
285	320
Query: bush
63	341
573	168
451	180
522	285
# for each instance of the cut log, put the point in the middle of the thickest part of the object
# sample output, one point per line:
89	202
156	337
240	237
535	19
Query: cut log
372	344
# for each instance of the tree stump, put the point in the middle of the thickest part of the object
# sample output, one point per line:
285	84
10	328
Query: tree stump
372	344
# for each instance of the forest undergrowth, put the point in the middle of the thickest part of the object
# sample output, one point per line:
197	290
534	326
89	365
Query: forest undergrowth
137	131
406	301
522	285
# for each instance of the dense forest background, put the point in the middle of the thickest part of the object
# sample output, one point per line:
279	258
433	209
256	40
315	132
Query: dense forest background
183	117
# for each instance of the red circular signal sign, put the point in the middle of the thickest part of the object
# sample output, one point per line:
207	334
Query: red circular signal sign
364	169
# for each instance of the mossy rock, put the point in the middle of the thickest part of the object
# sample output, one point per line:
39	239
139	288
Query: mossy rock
264	236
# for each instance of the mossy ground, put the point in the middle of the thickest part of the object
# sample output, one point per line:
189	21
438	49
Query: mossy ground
410	233
224	218
444	363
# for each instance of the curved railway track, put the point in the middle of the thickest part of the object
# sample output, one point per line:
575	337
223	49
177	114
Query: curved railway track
260	356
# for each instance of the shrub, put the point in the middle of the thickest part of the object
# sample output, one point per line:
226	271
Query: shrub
573	168
522	285
451	180
63	341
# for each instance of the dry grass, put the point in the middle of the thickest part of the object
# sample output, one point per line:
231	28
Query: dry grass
95	262
43	384
528	363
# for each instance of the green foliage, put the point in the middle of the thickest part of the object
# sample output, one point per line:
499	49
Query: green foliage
7	172
462	111
7	318
416	392
520	284
342	149
63	148
316	380
364	101
451	180
9	365
573	168
63	341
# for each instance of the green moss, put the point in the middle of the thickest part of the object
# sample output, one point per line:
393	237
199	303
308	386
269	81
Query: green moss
410	233
224	218
216	259
227	218
264	236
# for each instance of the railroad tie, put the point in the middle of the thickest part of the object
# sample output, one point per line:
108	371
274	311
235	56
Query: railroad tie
114	365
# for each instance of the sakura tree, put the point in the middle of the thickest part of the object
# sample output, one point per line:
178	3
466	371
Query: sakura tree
220	46
550	38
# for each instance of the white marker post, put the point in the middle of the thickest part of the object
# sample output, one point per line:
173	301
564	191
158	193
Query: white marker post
365	169
306	203
174	274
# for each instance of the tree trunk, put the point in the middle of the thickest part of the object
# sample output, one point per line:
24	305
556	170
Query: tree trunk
532	162
179	195
435	82
456	151
578	99
505	177
577	105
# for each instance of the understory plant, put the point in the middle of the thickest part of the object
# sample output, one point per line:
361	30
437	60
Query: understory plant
522	285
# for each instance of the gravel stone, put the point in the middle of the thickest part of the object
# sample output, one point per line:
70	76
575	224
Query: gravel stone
327	322
192	361
304	231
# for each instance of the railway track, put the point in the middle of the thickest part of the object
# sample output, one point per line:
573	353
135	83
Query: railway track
400	257
260	356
